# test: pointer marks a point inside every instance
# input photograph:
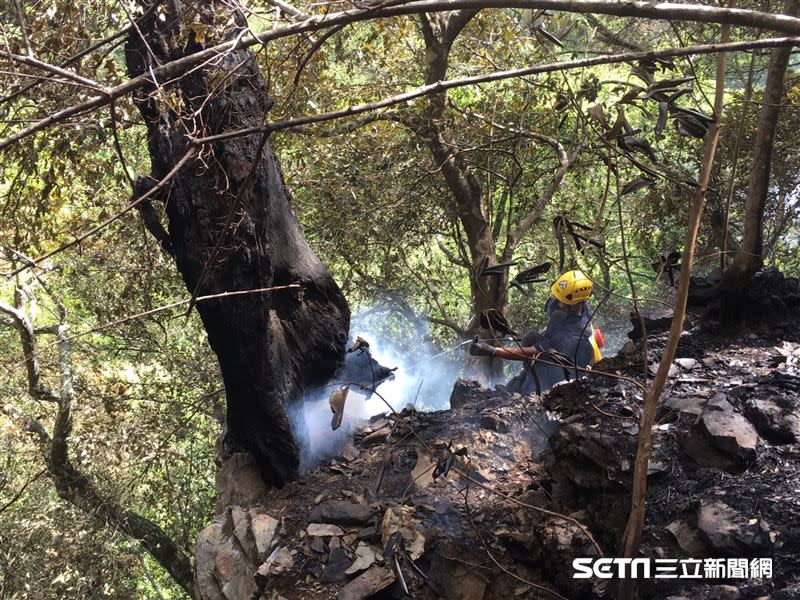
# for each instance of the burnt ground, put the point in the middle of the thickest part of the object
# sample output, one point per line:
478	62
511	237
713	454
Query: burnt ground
724	482
591	459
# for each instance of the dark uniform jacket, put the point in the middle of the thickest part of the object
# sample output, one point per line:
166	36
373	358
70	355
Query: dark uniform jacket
567	334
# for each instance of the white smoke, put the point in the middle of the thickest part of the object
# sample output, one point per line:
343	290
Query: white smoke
423	379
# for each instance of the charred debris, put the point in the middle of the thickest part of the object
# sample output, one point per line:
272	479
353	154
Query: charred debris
494	498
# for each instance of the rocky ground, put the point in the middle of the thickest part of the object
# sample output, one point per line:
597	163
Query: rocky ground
374	523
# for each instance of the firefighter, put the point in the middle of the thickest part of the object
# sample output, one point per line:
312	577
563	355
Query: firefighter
567	341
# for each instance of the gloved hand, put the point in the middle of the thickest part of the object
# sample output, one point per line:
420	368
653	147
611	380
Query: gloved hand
482	349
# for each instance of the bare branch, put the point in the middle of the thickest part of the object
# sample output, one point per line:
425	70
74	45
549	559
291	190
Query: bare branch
69	61
451	257
610	36
21	490
445	320
288	9
166	307
72	485
23	25
30	425
565	163
440	86
348	126
661	11
449	324
53	70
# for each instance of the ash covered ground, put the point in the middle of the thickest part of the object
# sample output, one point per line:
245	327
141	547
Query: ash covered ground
372	522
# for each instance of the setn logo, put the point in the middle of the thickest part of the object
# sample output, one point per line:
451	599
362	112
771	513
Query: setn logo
606	568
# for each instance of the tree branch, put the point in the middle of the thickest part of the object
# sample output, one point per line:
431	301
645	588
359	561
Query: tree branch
440	86
152	191
288	9
452	257
22	323
445	320
610	36
565	163
21	490
635	524
79	491
53	70
661	11
450	324
75	487
23	25
349	126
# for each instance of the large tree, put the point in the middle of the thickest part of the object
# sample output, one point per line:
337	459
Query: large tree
492	232
231	228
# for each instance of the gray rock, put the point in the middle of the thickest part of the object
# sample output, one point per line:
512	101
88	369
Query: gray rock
278	563
222	569
369	534
265	530
725	592
692	406
789	593
232	568
376	437
243	532
592	458
688	538
687	364
401	519
323	530
365	556
318	545
655	321
365	585
776	418
458	580
349	451
342	513
465	391
561	543
728	532
673	369
721	437
493	422
209	540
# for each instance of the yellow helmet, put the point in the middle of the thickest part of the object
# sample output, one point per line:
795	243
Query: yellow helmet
572	287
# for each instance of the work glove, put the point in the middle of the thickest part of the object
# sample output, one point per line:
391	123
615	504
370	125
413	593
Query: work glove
482	349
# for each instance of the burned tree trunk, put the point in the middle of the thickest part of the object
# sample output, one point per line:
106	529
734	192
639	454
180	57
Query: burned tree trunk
230	227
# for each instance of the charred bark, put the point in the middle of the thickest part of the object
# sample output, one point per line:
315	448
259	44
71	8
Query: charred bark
231	228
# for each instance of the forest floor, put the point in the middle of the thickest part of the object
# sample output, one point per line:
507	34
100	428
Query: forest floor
724	483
